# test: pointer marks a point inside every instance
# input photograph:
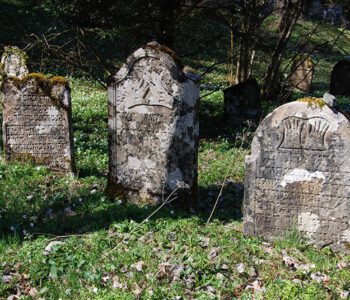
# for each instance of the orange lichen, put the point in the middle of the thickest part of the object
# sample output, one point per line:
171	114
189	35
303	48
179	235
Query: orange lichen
313	101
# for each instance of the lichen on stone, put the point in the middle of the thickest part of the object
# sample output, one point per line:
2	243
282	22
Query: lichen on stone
161	48
46	82
319	102
9	50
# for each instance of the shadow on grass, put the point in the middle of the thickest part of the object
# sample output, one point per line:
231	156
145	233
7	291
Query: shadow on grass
96	212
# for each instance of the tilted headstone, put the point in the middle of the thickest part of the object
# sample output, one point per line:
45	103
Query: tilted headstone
302	74
37	121
13	62
340	78
298	174
153	128
242	103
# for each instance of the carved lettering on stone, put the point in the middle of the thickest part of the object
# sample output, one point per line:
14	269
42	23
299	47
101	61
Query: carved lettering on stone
37	122
298	175
153	128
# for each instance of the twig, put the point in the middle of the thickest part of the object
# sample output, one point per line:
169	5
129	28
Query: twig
224	183
167	201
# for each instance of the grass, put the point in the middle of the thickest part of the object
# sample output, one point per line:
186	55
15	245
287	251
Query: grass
174	255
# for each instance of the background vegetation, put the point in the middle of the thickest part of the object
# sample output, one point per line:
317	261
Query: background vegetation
61	238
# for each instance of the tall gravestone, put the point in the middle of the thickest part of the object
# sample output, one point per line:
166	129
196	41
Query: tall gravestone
340	78
37	121
298	174
153	128
302	74
13	62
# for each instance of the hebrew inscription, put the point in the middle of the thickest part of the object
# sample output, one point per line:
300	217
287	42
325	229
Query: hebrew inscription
153	128
36	123
298	175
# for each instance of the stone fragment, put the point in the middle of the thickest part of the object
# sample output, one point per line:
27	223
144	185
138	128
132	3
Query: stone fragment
153	128
340	79
242	103
37	121
330	100
13	62
301	74
298	174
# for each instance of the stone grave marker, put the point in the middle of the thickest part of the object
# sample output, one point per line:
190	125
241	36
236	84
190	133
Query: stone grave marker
37	121
302	74
340	78
298	174
13	62
153	128
242	103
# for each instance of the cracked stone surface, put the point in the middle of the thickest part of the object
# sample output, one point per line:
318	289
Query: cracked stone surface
37	124
153	128
298	175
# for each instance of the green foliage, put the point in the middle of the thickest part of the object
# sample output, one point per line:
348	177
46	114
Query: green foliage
173	254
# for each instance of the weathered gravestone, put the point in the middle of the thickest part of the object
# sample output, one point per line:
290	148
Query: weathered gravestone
13	62
37	121
340	78
298	174
153	128
242	103
302	74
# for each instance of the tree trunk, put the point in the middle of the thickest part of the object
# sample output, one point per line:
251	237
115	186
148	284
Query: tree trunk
271	81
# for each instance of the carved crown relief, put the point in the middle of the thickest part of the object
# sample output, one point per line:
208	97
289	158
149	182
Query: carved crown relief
308	134
149	90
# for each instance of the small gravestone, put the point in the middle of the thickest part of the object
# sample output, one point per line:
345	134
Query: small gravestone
153	128
298	174
242	103
13	62
37	121
340	78
301	74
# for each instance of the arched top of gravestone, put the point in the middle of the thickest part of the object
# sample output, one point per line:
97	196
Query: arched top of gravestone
14	62
305	125
152	51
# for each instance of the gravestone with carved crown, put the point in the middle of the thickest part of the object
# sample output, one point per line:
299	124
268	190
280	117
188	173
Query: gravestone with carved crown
37	121
298	174
153	128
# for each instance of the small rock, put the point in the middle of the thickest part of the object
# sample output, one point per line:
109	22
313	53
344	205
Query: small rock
330	100
51	247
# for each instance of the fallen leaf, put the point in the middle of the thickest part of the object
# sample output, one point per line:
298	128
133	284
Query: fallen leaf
139	266
240	268
214	252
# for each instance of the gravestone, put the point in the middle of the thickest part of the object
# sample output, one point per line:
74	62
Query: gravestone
13	62
298	174
242	103
340	79
37	121
301	74
153	128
